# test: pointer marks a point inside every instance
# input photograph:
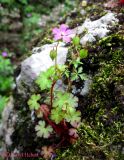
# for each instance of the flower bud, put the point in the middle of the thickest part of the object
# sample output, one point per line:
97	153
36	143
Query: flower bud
53	54
83	53
76	41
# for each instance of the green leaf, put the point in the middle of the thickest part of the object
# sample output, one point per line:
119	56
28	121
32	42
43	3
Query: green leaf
83	76
42	130
7	1
76	73
64	103
52	74
33	20
63	99
80	69
76	62
74	76
45	79
6	74
25	2
67	73
57	115
83	53
29	9
61	69
73	116
33	104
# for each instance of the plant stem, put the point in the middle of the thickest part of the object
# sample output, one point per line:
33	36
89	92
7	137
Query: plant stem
54	82
56	56
51	94
69	85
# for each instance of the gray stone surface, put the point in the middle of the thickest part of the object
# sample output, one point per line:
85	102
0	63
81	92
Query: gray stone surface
7	125
85	88
96	29
8	121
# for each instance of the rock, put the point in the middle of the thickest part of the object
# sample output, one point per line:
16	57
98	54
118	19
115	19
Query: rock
8	37
87	87
42	22
60	86
1	130
96	29
84	89
39	61
9	118
83	12
87	38
15	14
8	134
5	20
54	13
16	26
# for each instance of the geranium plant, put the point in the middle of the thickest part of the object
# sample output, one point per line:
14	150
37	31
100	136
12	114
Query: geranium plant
59	111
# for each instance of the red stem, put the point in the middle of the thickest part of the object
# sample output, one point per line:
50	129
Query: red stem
60	129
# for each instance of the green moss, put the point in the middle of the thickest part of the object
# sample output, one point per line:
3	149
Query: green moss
101	133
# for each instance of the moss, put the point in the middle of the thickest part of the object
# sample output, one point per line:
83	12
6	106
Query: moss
101	133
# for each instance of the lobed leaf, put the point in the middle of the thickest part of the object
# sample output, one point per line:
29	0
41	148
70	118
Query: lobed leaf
33	104
42	130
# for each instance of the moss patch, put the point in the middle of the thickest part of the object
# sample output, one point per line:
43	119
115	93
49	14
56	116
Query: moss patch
101	134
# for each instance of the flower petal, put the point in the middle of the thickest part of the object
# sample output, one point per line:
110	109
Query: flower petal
69	31
57	37
55	30
4	54
63	27
66	39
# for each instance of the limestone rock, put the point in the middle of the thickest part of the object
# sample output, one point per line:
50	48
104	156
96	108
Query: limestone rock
96	29
9	118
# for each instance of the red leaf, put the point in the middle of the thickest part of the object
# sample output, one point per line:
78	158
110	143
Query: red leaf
121	2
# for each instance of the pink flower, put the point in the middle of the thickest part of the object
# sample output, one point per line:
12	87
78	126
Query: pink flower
4	54
63	32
